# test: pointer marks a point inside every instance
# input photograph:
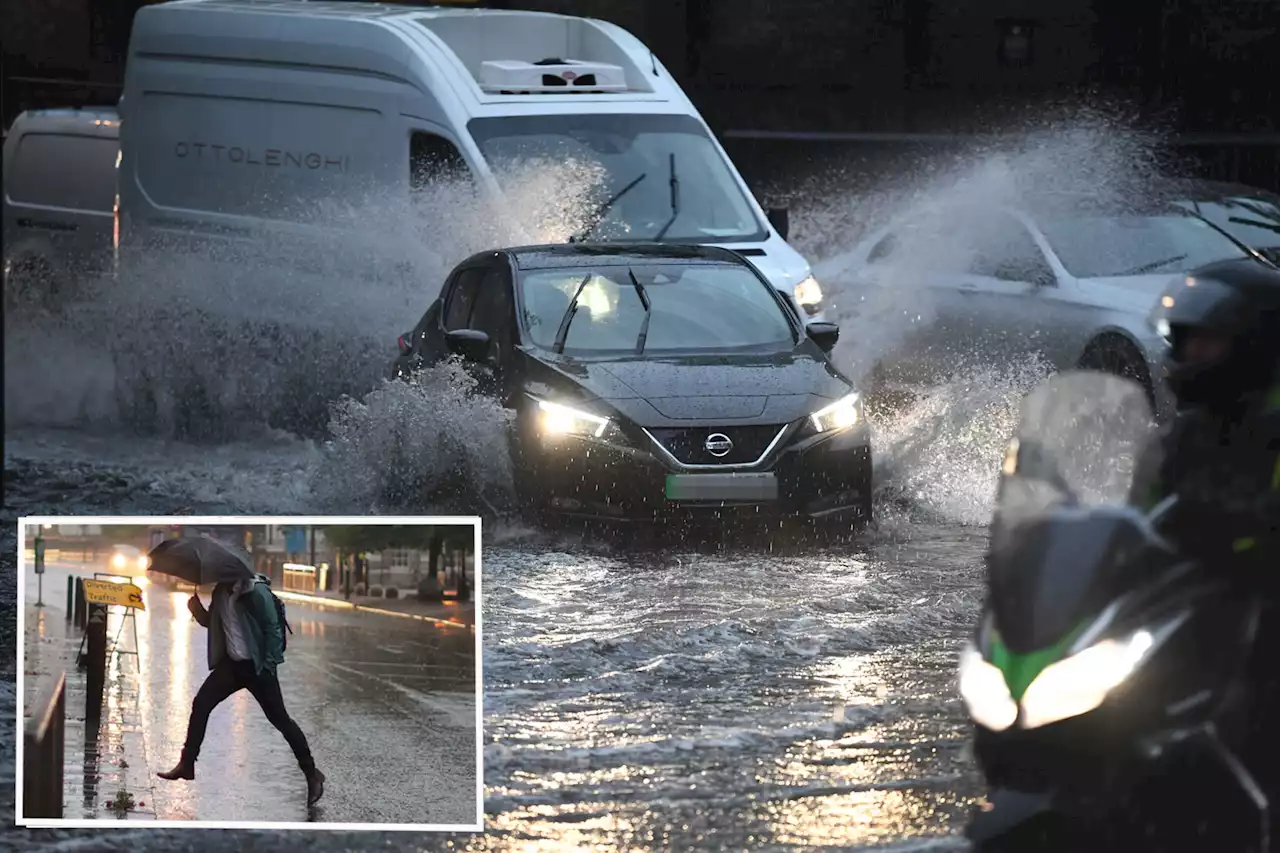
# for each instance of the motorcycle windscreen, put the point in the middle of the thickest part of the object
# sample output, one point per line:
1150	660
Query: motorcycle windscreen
1059	529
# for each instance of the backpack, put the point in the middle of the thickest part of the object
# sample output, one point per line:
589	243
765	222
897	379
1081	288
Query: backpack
285	629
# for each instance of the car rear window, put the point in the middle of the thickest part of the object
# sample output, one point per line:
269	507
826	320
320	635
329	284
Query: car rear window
708	307
64	170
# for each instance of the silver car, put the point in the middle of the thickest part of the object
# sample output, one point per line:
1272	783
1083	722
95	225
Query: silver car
1068	282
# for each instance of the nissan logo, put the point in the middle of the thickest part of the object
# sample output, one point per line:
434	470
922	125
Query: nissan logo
718	444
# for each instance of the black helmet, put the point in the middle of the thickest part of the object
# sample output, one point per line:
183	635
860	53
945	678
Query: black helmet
1222	322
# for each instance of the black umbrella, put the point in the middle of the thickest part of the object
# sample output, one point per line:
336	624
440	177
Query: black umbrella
200	561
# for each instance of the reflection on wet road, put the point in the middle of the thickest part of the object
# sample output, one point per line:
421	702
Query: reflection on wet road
726	701
387	704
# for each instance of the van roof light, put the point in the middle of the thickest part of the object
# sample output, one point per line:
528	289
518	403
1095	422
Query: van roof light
550	76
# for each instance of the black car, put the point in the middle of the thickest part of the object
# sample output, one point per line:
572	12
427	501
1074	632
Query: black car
651	380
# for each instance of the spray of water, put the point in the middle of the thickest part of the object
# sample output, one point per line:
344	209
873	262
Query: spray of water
197	341
416	445
942	452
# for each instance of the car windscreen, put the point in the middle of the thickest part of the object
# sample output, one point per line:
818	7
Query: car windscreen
1254	221
694	308
1102	245
669	178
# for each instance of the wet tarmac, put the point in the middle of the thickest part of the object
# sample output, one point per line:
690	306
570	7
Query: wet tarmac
387	705
684	696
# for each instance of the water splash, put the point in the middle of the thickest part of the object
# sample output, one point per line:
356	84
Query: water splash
271	327
941	452
415	445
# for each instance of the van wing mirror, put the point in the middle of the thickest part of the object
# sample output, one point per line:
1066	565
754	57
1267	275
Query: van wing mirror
780	219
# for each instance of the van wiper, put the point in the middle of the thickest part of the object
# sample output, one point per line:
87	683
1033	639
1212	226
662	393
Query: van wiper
562	333
648	311
675	199
599	215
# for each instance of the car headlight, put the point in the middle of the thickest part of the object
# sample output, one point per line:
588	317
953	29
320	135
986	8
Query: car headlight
556	419
144	563
985	693
808	295
841	414
1078	684
118	561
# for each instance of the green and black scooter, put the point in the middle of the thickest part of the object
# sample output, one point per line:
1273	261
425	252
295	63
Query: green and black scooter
1106	677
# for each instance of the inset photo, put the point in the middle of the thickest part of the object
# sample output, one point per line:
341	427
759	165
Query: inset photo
250	673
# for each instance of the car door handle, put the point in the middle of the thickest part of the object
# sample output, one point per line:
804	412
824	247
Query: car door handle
968	289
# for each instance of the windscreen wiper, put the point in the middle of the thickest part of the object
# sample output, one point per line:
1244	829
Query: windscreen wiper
599	215
675	199
562	333
648	311
1154	265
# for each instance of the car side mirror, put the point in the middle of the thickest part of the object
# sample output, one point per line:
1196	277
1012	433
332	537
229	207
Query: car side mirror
471	344
404	343
824	335
780	219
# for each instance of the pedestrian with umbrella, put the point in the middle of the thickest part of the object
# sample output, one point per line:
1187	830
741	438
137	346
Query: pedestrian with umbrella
246	644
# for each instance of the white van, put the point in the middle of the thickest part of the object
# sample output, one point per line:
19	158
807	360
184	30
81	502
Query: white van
59	193
238	111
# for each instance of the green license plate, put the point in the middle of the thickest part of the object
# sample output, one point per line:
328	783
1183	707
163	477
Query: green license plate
722	487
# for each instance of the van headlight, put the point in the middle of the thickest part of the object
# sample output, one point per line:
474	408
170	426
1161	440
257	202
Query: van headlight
808	295
842	414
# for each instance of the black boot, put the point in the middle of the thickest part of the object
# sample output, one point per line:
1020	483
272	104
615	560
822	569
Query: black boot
315	786
185	769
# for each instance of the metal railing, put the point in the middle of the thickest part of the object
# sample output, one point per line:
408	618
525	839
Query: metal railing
44	752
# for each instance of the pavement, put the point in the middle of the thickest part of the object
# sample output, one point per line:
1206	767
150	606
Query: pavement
388	705
407	604
100	763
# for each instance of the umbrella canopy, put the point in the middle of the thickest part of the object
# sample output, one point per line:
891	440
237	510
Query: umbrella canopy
200	561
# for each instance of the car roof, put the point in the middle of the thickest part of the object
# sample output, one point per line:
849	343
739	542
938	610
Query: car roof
558	255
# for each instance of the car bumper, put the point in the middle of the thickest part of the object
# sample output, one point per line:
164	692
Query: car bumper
819	477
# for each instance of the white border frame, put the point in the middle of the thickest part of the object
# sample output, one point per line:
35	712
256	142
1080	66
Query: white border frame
233	520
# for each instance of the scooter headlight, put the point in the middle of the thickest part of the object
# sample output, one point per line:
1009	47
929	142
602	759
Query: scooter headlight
1078	684
985	693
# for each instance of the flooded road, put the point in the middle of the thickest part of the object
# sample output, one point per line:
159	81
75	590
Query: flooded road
680	696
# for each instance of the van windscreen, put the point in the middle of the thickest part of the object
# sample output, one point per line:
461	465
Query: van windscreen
665	177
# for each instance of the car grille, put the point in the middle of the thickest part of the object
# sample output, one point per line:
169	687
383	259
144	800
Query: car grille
688	445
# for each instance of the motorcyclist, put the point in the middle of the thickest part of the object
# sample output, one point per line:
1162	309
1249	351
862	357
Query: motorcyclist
1220	457
1221	453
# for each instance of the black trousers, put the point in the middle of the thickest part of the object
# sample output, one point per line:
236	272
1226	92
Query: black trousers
228	678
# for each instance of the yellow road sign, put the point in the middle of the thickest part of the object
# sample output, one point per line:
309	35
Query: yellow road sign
108	592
